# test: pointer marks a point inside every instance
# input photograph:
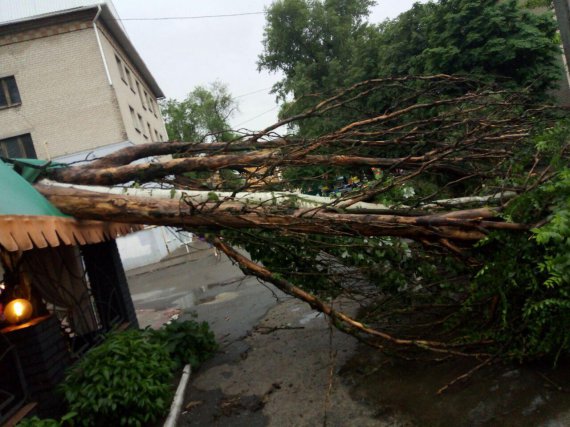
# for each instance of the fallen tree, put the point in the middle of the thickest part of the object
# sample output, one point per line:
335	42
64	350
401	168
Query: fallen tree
451	243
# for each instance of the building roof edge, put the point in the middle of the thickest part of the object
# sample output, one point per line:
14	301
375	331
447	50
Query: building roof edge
112	23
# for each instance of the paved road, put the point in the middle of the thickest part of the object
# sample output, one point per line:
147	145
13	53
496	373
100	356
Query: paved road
205	284
275	359
280	363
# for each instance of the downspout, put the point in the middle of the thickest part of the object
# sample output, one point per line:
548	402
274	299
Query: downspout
101	46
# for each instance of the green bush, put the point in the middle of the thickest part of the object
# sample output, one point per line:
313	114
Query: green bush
38	422
125	381
187	342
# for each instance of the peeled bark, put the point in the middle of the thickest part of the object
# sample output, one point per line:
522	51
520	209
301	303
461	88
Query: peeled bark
461	226
151	171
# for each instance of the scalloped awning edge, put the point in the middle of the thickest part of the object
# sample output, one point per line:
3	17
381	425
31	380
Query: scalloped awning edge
23	232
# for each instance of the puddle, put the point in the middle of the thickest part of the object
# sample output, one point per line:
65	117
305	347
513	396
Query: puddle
155	294
186	302
307	318
222	297
499	395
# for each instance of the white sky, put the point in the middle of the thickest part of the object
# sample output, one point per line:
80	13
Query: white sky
182	54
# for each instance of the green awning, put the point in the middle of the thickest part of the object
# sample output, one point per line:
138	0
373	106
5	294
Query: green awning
28	220
18	197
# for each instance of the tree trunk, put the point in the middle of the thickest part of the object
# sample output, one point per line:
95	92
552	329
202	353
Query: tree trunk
460	226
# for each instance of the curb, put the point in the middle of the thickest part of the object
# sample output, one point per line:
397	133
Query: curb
165	264
178	398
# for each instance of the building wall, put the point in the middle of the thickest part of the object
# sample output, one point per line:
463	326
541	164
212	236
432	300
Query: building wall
150	245
131	94
67	102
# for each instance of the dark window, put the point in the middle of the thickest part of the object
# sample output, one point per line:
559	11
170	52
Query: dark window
9	94
129	78
18	147
121	70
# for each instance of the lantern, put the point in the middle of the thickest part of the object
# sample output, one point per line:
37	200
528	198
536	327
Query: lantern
18	310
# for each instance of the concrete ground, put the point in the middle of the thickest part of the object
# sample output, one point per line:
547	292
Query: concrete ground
285	373
280	364
278	361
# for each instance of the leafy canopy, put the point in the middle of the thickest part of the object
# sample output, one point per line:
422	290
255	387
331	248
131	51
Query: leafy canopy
322	45
203	115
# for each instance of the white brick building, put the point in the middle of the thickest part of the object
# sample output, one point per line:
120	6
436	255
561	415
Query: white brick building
71	82
73	87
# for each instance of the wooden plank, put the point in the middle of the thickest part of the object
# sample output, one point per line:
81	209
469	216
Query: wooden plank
20	415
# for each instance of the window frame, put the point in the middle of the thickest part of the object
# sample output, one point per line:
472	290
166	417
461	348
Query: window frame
155	108
121	68
140	94
149	102
141	124
150	132
134	119
5	89
25	143
129	78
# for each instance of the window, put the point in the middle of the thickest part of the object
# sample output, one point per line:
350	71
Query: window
156	135
148	101
129	79
18	146
141	95
121	69
134	118
149	131
140	123
9	94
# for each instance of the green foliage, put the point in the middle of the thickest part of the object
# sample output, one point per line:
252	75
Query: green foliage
530	276
38	422
203	115
485	38
320	46
126	381
312	42
513	289
532	4
326	265
186	342
66	420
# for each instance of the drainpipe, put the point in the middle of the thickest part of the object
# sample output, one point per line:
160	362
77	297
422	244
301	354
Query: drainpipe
101	46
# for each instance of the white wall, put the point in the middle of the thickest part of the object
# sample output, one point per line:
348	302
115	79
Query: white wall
149	246
144	247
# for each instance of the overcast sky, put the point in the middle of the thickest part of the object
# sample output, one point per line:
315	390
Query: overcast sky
182	54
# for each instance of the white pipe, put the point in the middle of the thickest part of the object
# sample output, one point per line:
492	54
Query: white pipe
178	398
101	46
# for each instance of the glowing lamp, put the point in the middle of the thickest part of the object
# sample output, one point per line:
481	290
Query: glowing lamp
18	310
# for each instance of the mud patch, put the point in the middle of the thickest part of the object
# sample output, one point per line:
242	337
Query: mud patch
497	395
216	409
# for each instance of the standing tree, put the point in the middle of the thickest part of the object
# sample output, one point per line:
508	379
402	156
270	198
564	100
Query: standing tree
322	45
319	46
203	116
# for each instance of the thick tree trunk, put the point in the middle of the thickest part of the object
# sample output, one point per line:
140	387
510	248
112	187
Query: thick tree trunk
460	226
146	172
